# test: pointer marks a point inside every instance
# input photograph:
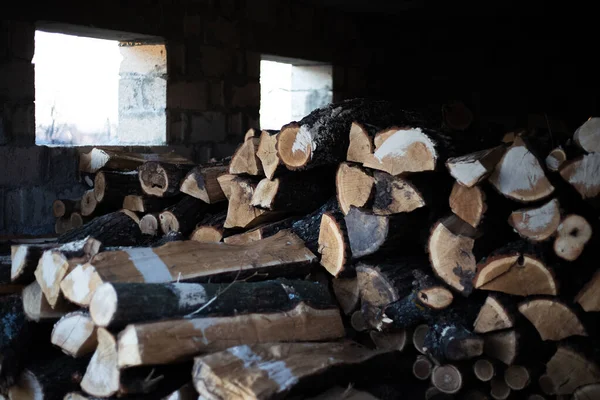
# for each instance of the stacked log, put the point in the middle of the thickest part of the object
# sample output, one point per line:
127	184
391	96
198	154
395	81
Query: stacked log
359	245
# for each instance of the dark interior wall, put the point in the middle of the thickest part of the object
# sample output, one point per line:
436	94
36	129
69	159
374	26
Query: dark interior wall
504	65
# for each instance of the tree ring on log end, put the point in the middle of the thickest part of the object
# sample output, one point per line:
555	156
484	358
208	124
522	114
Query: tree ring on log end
294	146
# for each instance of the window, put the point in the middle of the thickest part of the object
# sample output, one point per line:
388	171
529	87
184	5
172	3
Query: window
291	89
91	91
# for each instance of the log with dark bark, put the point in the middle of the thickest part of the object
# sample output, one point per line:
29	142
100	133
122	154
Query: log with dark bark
395	194
354	186
573	233
65	207
296	193
493	316
447	340
321	138
49	379
149	224
98	159
24	261
118	304
587	136
451	253
75	334
15	333
183	216
210	228
538	223
267	153
245	161
112	187
468	203
161	179
470	169
515	270
154	344
114	229
239	373
147	204
519	175
201	182
56	263
281	254
37	308
552	319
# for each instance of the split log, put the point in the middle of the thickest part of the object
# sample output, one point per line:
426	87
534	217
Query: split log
98	159
267	153
149	224
112	187
24	261
75	334
369	233
210	228
50	379
201	182
239	372
447	378
538	223
512	271
451	341
587	136
119	304
484	370
281	254
15	336
114	229
147	204
395	194
104	378
556	159
321	138
422	368
468	203
589	296
587	392
499	389
361	147
37	308
346	291
161	179
384	283
333	243
582	174
470	169
451	253
245	160
56	263
569	370
182	216
502	345
552	319
517	377
240	212
389	341
404	150
65	207
519	175
456	116
493	316
354	186
418	338
176	340
572	235
295	193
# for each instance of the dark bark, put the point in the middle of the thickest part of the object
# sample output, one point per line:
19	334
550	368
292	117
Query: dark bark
114	229
452	341
15	336
160	179
148	204
54	378
112	187
201	181
203	300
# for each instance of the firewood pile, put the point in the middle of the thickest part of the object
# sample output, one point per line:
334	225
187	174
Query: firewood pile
363	252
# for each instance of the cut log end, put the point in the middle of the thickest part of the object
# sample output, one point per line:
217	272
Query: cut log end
75	334
332	245
582	174
102	377
394	194
572	235
502	345
536	224
499	389
207	234
245	161
484	370
587	392
168	222
447	378
552	319
589	296
149	225
155	180
389	341
133	203
470	169
568	370
517	377
347	293
294	146
587	136
265	193
435	297
422	368
418	338
354	186
361	145
99	186
88	203
58	208
103	305
493	316
556	159
468	203
267	153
